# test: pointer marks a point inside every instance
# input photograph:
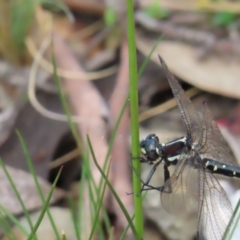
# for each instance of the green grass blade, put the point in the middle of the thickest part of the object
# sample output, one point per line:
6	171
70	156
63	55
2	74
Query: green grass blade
25	211
64	102
63	236
100	191
99	201
126	229
74	216
54	4
74	131
22	13
106	221
32	171
133	76
82	187
14	220
147	59
92	189
92	207
6	228
96	206
112	190
228	234
45	206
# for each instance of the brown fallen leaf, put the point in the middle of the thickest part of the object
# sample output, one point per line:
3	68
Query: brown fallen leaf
88	104
213	74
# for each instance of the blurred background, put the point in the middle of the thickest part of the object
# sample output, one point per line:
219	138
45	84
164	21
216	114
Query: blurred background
200	42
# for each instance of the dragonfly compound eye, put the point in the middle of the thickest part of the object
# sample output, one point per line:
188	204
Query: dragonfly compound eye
151	147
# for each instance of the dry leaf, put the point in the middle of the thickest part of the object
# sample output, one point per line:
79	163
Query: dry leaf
213	74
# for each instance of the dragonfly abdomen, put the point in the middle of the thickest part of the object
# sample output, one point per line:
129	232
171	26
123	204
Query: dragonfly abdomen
221	168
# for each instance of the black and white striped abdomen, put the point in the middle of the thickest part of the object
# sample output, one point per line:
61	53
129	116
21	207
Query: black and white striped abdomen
221	168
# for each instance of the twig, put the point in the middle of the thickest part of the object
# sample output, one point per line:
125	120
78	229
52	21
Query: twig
74	75
32	95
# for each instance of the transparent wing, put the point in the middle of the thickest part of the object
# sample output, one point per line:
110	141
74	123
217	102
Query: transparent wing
190	116
212	144
215	209
202	129
181	191
193	188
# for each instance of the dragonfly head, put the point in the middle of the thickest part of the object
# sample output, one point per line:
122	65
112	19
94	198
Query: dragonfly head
151	148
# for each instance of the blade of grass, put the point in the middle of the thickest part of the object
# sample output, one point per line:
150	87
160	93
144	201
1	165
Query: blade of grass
100	191
63	100
77	138
32	171
6	228
147	59
63	236
106	221
25	211
94	203
111	234
142	68
96	222
74	216
81	196
228	234
92	189
112	190
22	13
59	5
90	193
134	117
126	229
45	206
99	201
14	220
92	208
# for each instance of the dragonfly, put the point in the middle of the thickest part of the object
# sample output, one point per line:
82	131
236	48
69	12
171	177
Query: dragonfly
197	157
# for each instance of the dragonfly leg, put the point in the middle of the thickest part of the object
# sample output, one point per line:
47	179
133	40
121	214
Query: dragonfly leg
137	174
146	183
149	177
142	159
166	173
147	187
143	185
166	177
